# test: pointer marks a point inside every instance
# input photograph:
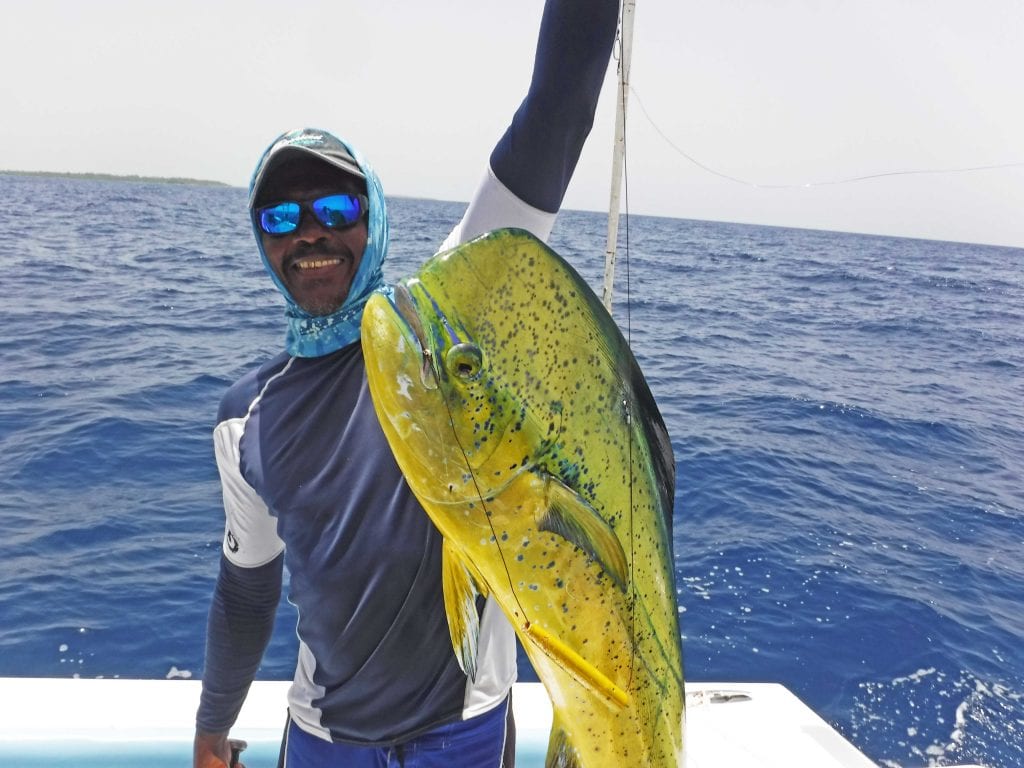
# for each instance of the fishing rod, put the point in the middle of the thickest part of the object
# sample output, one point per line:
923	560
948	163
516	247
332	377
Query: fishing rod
618	149
620	184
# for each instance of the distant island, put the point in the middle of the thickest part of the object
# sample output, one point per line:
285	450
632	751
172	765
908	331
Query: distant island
115	177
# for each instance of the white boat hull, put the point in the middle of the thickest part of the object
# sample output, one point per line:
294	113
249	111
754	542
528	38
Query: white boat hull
760	725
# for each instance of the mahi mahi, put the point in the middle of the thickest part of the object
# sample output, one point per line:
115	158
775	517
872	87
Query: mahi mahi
525	428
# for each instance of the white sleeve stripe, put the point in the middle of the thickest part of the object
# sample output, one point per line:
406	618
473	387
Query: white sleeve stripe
250	535
494	206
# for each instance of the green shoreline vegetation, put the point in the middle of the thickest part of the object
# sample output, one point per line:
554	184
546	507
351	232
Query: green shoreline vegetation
116	177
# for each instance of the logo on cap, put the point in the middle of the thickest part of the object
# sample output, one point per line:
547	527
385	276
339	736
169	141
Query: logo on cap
309	140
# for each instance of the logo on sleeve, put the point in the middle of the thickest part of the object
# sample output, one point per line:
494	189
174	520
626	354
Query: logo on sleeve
232	542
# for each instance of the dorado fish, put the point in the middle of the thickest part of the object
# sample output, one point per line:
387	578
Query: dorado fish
526	430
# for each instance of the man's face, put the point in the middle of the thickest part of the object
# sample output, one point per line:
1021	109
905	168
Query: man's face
315	263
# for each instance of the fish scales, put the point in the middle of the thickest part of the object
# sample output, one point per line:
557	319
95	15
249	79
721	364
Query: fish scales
524	426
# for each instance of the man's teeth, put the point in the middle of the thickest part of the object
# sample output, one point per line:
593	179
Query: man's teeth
317	263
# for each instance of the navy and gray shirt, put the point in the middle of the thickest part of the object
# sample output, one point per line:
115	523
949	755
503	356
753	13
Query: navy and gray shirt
307	475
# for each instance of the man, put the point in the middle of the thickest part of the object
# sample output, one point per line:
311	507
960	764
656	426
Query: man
309	480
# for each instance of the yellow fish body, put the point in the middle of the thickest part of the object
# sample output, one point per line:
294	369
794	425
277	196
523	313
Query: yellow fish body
524	426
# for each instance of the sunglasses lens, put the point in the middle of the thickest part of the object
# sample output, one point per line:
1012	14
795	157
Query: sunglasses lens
338	210
280	219
334	211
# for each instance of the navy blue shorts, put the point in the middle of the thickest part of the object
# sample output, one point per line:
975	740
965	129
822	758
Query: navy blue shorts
480	742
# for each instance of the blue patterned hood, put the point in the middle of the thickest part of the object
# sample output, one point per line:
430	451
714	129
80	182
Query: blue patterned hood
308	335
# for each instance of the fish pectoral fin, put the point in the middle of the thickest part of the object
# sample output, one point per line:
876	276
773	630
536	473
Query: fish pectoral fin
462	586
571	517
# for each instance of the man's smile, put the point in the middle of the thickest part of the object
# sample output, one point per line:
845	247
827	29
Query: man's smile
317	263
305	260
318	275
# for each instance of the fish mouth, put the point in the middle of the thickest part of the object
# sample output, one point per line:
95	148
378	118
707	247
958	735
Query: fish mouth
405	306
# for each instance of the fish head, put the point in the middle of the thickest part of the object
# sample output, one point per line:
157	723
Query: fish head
496	359
457	430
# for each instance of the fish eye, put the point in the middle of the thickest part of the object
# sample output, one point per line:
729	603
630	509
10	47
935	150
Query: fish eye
464	361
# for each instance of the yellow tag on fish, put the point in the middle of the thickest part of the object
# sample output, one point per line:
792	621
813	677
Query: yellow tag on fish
576	665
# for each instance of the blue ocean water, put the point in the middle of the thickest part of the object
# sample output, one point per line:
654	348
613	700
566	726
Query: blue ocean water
847	414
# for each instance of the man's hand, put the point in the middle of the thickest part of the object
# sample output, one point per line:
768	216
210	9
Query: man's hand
216	750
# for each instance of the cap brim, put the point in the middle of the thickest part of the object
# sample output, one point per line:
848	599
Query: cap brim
279	155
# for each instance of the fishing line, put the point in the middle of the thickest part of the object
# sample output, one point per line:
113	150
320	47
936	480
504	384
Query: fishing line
480	496
812	184
572	662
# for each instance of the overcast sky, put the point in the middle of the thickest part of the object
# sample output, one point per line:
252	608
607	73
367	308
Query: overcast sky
784	97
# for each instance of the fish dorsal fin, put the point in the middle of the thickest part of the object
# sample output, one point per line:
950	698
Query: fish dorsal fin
462	585
570	516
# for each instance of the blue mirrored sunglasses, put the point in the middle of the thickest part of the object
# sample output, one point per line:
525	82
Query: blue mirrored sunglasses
333	211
